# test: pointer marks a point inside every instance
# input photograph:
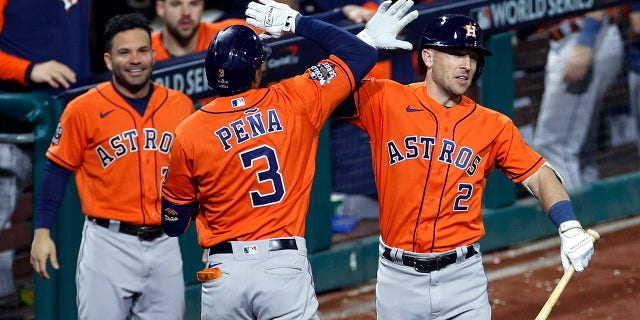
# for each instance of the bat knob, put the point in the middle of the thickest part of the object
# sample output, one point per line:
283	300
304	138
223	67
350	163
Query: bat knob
595	236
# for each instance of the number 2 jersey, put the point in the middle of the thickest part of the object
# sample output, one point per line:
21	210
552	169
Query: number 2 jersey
431	163
118	155
249	159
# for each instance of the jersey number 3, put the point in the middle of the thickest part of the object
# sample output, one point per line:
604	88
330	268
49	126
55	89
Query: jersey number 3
270	175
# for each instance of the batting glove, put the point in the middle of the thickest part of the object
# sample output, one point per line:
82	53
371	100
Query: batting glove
383	28
576	246
273	17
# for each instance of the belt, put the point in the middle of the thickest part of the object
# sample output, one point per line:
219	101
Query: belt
426	265
144	233
274	245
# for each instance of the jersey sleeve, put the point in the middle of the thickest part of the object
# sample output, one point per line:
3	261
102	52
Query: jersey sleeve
67	146
514	157
319	90
177	186
12	68
368	103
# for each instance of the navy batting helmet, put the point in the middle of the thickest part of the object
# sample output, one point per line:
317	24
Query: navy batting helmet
233	57
454	31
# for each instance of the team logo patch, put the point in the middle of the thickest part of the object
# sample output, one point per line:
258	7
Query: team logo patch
56	137
170	215
238	102
250	249
323	73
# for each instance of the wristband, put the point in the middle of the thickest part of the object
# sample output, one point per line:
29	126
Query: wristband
589	32
562	211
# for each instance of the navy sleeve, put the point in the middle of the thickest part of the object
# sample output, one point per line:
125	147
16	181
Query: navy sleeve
359	56
176	217
52	186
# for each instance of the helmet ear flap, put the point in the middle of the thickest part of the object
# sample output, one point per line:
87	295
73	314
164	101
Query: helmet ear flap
479	68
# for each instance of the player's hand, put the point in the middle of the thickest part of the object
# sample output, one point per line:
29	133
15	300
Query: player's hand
273	17
576	246
42	249
383	28
578	64
53	73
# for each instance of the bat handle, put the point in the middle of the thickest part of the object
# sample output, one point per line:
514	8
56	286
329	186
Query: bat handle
555	295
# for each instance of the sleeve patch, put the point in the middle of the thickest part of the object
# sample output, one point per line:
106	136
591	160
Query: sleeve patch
323	73
56	137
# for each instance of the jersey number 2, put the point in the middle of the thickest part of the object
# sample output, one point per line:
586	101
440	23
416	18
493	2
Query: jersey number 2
271	175
465	192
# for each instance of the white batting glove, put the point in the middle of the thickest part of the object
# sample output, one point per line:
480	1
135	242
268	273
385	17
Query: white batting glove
383	28
273	17
576	246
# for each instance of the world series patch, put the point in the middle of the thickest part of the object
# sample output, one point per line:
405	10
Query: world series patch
56	138
323	73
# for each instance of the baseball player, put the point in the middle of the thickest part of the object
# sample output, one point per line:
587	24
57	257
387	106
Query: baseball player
433	148
116	139
184	32
243	165
53	55
585	56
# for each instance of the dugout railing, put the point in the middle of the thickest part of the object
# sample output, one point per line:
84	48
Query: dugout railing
508	219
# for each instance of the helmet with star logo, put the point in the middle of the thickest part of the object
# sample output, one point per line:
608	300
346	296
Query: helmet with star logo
454	31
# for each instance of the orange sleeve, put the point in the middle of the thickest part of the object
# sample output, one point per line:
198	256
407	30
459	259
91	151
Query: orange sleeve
12	68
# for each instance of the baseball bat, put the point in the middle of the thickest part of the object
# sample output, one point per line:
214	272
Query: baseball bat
557	291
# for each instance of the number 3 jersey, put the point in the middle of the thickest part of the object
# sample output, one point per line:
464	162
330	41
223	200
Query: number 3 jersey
249	159
431	163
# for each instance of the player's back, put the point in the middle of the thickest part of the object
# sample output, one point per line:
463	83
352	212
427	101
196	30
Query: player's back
266	142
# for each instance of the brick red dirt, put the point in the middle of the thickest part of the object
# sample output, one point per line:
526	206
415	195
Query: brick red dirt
522	279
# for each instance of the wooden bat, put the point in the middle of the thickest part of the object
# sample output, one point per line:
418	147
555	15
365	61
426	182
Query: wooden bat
555	295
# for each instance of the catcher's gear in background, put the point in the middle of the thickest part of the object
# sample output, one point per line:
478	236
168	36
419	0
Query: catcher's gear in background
452	30
576	247
384	26
233	57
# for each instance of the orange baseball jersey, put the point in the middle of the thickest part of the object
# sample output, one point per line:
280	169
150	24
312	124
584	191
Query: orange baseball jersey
206	32
230	156
437	159
118	155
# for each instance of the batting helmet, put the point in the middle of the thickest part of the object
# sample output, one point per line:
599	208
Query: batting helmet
454	31
233	57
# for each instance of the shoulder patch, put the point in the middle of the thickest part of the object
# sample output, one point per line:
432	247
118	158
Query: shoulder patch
56	137
323	73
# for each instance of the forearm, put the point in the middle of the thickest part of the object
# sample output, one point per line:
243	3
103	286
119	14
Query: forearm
52	186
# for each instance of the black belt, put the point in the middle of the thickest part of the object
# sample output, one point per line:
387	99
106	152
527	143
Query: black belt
426	265
274	245
145	233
